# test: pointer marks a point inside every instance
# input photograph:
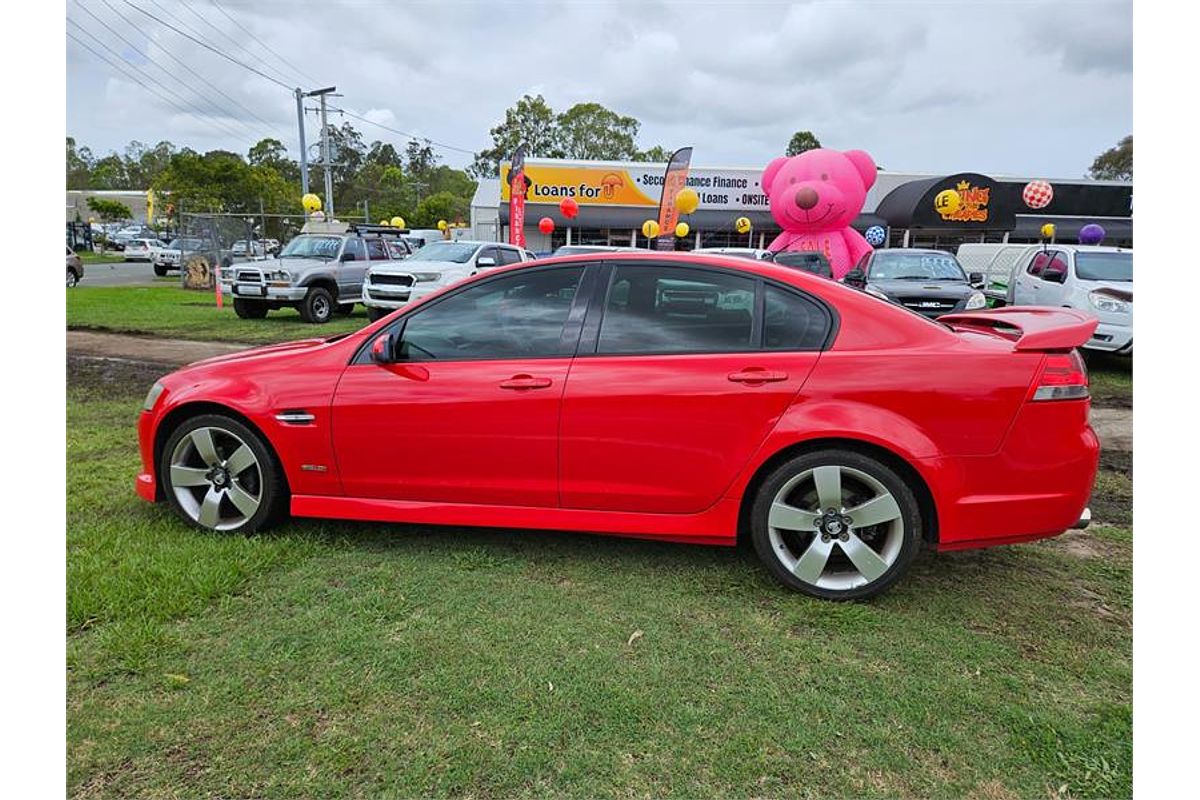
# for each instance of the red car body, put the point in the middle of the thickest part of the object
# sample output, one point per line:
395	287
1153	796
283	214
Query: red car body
667	446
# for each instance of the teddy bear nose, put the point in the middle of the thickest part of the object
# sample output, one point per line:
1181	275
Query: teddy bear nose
806	198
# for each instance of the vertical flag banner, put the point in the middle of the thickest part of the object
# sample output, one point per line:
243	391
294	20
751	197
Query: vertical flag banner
516	201
150	207
668	214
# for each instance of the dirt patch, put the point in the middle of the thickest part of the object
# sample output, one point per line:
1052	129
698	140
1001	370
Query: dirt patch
1112	496
111	378
174	352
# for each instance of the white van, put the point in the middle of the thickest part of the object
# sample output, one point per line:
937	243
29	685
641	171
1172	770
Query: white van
1093	279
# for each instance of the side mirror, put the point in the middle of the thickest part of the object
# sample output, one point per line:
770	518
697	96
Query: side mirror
383	349
856	278
486	261
975	279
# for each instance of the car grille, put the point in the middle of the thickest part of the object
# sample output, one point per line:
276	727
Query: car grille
249	276
930	306
393	280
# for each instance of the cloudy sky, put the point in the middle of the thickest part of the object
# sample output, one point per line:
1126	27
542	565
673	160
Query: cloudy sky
1025	88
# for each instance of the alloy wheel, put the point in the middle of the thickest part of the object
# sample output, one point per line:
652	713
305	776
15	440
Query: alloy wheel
216	478
836	528
71	278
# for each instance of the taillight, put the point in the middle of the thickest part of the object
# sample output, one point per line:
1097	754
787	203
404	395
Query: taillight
1063	377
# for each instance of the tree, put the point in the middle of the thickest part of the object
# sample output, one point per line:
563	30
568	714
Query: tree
79	165
658	153
272	153
109	173
802	141
442	205
1115	163
530	122
109	210
384	154
591	131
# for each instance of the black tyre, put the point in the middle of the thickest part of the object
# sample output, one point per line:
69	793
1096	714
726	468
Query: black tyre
72	278
836	524
345	309
160	270
248	309
375	314
317	306
220	475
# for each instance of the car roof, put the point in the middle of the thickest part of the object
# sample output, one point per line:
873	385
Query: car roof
1090	248
913	250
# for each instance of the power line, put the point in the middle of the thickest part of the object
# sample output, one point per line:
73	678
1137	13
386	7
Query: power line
269	126
401	133
122	67
208	46
237	44
268	47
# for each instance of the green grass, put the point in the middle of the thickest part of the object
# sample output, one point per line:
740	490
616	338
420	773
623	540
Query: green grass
354	660
92	257
171	311
1111	379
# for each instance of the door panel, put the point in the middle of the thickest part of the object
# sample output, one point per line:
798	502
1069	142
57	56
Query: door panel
669	433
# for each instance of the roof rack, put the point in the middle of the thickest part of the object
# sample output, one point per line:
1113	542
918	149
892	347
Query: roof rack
362	227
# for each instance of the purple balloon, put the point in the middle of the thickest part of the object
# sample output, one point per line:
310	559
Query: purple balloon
1091	234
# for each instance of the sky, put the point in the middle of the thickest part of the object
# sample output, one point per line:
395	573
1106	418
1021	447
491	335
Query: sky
1002	88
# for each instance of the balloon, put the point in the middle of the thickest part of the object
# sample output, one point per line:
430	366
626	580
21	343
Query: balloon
383	222
1037	194
442	225
681	230
876	235
650	229
687	201
397	222
311	202
546	225
742	225
569	208
1048	230
1091	234
947	202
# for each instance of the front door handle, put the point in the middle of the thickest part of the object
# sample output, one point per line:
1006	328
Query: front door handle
756	375
525	382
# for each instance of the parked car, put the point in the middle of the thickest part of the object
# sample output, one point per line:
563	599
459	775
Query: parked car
929	282
1093	279
142	249
744	252
173	256
664	396
583	249
813	262
254	250
434	266
272	246
320	272
74	268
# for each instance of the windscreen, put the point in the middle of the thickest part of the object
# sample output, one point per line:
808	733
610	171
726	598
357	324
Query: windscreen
899	266
455	252
307	246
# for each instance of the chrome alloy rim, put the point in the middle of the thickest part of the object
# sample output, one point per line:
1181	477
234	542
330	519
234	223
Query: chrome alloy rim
216	478
836	527
321	307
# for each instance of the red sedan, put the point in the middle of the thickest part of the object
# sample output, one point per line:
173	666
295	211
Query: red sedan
680	397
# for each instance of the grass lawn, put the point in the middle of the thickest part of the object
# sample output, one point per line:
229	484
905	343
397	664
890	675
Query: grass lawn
1111	379
354	660
173	312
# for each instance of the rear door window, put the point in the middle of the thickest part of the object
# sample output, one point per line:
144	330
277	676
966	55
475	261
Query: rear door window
377	250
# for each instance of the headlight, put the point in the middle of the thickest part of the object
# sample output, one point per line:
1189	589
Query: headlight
976	300
422	277
152	396
1105	302
279	276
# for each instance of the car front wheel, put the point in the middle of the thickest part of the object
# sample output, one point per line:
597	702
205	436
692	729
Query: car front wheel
836	524
317	306
246	309
72	278
220	475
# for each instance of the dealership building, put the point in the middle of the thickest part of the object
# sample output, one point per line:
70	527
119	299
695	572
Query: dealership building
615	198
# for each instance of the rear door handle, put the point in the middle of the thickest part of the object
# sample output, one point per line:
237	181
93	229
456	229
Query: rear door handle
755	375
525	382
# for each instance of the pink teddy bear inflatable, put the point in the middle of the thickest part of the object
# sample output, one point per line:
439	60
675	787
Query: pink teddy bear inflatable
814	197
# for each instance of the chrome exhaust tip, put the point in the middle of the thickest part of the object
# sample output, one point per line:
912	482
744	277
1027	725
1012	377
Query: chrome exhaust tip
1085	519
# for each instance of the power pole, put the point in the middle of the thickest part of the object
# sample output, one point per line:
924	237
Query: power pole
303	146
325	159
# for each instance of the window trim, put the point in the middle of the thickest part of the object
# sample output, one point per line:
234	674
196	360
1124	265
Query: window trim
578	303
589	341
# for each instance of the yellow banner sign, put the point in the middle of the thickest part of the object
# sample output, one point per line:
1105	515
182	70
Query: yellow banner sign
587	185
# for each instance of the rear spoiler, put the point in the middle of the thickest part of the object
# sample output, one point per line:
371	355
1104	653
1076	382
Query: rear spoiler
1029	328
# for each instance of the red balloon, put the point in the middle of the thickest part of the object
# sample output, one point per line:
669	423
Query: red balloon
546	225
569	208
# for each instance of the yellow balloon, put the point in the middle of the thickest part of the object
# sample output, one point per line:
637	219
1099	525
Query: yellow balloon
1048	230
681	230
947	202
742	224
383	222
687	201
650	229
311	202
442	225
397	222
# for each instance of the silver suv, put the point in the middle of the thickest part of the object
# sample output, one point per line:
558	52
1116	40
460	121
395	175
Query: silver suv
319	272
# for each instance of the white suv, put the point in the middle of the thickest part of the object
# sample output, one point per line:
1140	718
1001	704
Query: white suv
437	264
1096	280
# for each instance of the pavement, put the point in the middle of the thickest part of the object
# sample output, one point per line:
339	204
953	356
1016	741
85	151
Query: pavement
1114	426
120	273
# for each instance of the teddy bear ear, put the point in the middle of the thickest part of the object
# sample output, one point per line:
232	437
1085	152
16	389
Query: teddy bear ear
864	164
770	172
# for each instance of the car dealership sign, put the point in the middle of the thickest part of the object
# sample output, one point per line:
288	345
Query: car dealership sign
634	184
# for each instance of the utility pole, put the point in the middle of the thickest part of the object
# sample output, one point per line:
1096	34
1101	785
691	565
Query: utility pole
325	158
303	146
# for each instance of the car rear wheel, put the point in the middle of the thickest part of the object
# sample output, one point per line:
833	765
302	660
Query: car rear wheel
160	270
72	278
219	475
836	524
317	306
247	309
